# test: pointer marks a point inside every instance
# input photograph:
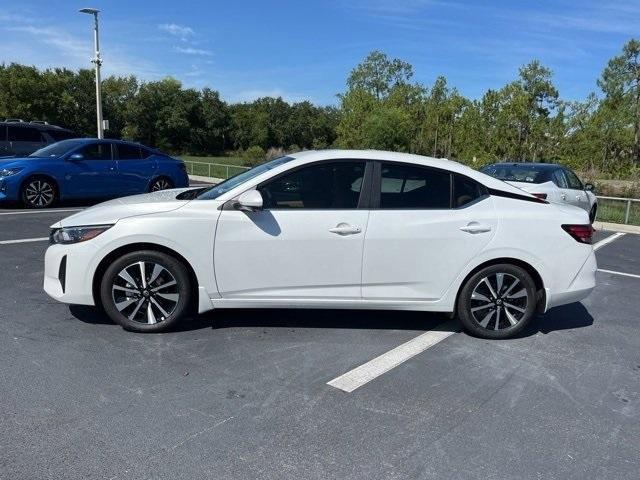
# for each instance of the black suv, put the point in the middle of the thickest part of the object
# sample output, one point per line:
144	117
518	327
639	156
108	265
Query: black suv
19	138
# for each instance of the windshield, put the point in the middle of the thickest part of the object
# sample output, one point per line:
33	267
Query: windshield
514	173
230	183
57	149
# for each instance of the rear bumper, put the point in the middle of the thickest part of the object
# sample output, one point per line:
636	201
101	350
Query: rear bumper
580	288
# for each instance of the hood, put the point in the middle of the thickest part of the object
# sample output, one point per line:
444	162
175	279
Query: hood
110	212
6	162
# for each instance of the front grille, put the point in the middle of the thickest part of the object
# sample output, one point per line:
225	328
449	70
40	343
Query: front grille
62	272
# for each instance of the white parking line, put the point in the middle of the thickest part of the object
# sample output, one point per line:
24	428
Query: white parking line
363	374
608	240
52	210
619	273
23	240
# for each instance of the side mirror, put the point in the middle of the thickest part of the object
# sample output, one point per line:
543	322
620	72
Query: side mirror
75	157
589	187
250	201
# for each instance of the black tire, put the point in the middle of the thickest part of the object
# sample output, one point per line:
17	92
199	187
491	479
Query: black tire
39	192
126	302
592	213
508	304
160	183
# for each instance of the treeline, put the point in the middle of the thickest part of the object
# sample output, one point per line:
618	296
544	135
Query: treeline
382	107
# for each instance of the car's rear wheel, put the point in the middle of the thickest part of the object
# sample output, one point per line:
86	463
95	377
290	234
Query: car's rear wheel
592	213
146	291
161	183
497	302
39	192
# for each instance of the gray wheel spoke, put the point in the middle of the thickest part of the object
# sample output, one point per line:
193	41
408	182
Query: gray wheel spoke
485	321
151	318
128	278
142	274
479	296
511	318
164	285
475	309
521	310
511	287
125	289
499	281
135	310
125	303
157	270
498	310
174	297
162	310
486	282
519	294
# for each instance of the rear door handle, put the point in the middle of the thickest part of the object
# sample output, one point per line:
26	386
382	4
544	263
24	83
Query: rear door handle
474	227
345	229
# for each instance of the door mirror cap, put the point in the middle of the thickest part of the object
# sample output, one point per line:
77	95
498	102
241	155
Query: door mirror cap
250	201
590	187
74	157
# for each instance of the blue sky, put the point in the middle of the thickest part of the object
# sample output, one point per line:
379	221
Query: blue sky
305	49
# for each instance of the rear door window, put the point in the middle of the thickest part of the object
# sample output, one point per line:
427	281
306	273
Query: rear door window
96	151
466	190
573	180
559	179
404	186
24	134
128	152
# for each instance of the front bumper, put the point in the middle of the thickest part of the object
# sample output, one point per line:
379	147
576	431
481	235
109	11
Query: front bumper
66	274
10	188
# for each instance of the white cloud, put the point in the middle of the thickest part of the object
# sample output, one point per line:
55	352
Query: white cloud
193	51
181	31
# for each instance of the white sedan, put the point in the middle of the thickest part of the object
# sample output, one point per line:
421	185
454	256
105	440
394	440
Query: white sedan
328	229
549	181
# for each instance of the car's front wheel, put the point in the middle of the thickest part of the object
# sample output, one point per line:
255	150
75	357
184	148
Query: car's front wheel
39	192
146	291
497	302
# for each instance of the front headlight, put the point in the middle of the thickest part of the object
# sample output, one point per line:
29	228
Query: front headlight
7	172
68	235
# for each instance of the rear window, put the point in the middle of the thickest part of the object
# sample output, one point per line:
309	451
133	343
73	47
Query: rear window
128	152
514	173
24	134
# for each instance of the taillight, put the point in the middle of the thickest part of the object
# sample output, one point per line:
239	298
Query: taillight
581	233
542	196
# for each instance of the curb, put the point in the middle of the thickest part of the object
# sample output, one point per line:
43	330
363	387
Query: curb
617	227
200	178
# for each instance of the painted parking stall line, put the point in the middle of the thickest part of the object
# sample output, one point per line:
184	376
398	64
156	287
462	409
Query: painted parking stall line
371	370
24	240
608	240
34	212
613	272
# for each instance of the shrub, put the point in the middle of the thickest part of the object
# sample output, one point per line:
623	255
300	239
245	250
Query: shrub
253	156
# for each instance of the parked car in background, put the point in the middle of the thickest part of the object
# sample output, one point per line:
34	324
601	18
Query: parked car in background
548	181
328	229
20	138
88	168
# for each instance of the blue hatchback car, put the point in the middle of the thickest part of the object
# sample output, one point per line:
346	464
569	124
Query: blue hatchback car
87	168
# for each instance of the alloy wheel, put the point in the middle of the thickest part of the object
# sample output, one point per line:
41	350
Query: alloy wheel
39	193
145	292
499	301
160	184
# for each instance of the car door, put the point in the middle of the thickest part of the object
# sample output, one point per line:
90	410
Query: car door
136	168
305	243
576	194
428	226
562	194
90	172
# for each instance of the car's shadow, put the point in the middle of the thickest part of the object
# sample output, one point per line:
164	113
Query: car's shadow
566	317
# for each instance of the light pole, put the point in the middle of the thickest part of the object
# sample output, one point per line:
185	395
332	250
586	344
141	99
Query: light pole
98	62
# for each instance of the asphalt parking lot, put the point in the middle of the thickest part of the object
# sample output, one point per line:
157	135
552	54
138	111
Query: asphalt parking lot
245	394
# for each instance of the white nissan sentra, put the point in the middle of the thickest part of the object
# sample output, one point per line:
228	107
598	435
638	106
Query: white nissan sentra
328	229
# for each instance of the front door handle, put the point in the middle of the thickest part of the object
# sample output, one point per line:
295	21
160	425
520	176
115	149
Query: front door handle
475	227
345	229
563	196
